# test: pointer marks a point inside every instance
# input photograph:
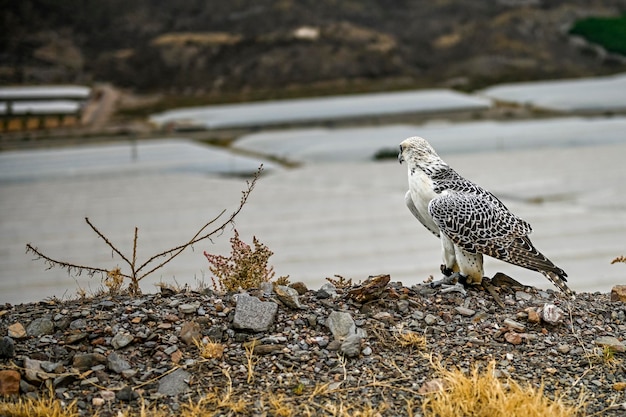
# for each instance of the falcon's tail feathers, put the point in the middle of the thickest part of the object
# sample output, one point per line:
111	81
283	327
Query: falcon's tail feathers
559	281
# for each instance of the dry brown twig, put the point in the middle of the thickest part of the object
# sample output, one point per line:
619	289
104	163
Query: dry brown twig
137	273
619	259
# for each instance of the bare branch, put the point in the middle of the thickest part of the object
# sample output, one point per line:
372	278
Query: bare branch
619	259
69	266
198	237
170	253
107	241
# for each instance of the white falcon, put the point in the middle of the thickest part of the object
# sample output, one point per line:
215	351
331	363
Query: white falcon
469	220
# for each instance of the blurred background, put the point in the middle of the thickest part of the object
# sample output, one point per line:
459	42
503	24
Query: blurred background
153	114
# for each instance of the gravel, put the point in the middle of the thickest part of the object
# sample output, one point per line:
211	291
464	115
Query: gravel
113	352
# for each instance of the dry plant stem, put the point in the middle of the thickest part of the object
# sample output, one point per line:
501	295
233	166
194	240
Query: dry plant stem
251	362
619	259
103	237
65	265
134	276
196	238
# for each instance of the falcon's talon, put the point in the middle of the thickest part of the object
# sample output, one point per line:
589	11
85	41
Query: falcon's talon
447	280
458	287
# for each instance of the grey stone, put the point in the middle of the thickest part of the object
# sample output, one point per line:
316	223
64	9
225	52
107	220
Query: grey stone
610	342
126	394
215	333
383	316
327	290
418	315
75	338
121	339
351	346
188	308
7	348
33	371
467	312
78	324
340	324
403	306
25	387
117	363
552	314
321	341
40	327
174	383
106	304
50	367
430	319
129	373
522	295
254	314
107	395
564	348
514	325
288	296
89	381
170	349
63	380
84	361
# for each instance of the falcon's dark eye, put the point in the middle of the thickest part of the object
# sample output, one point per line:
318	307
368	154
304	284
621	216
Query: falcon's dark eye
400	148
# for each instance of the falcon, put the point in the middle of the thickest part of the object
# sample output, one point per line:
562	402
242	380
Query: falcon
469	220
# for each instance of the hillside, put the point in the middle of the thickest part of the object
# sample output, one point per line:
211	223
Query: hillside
234	49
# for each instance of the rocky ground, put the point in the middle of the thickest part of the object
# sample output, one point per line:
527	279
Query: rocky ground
349	347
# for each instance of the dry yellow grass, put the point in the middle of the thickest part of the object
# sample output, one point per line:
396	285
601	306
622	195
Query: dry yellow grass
482	394
209	349
604	355
251	361
41	407
409	339
477	394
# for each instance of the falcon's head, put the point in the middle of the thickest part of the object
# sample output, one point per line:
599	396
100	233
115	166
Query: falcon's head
417	152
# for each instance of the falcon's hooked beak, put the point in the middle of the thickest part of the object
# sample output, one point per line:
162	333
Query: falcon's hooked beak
400	157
